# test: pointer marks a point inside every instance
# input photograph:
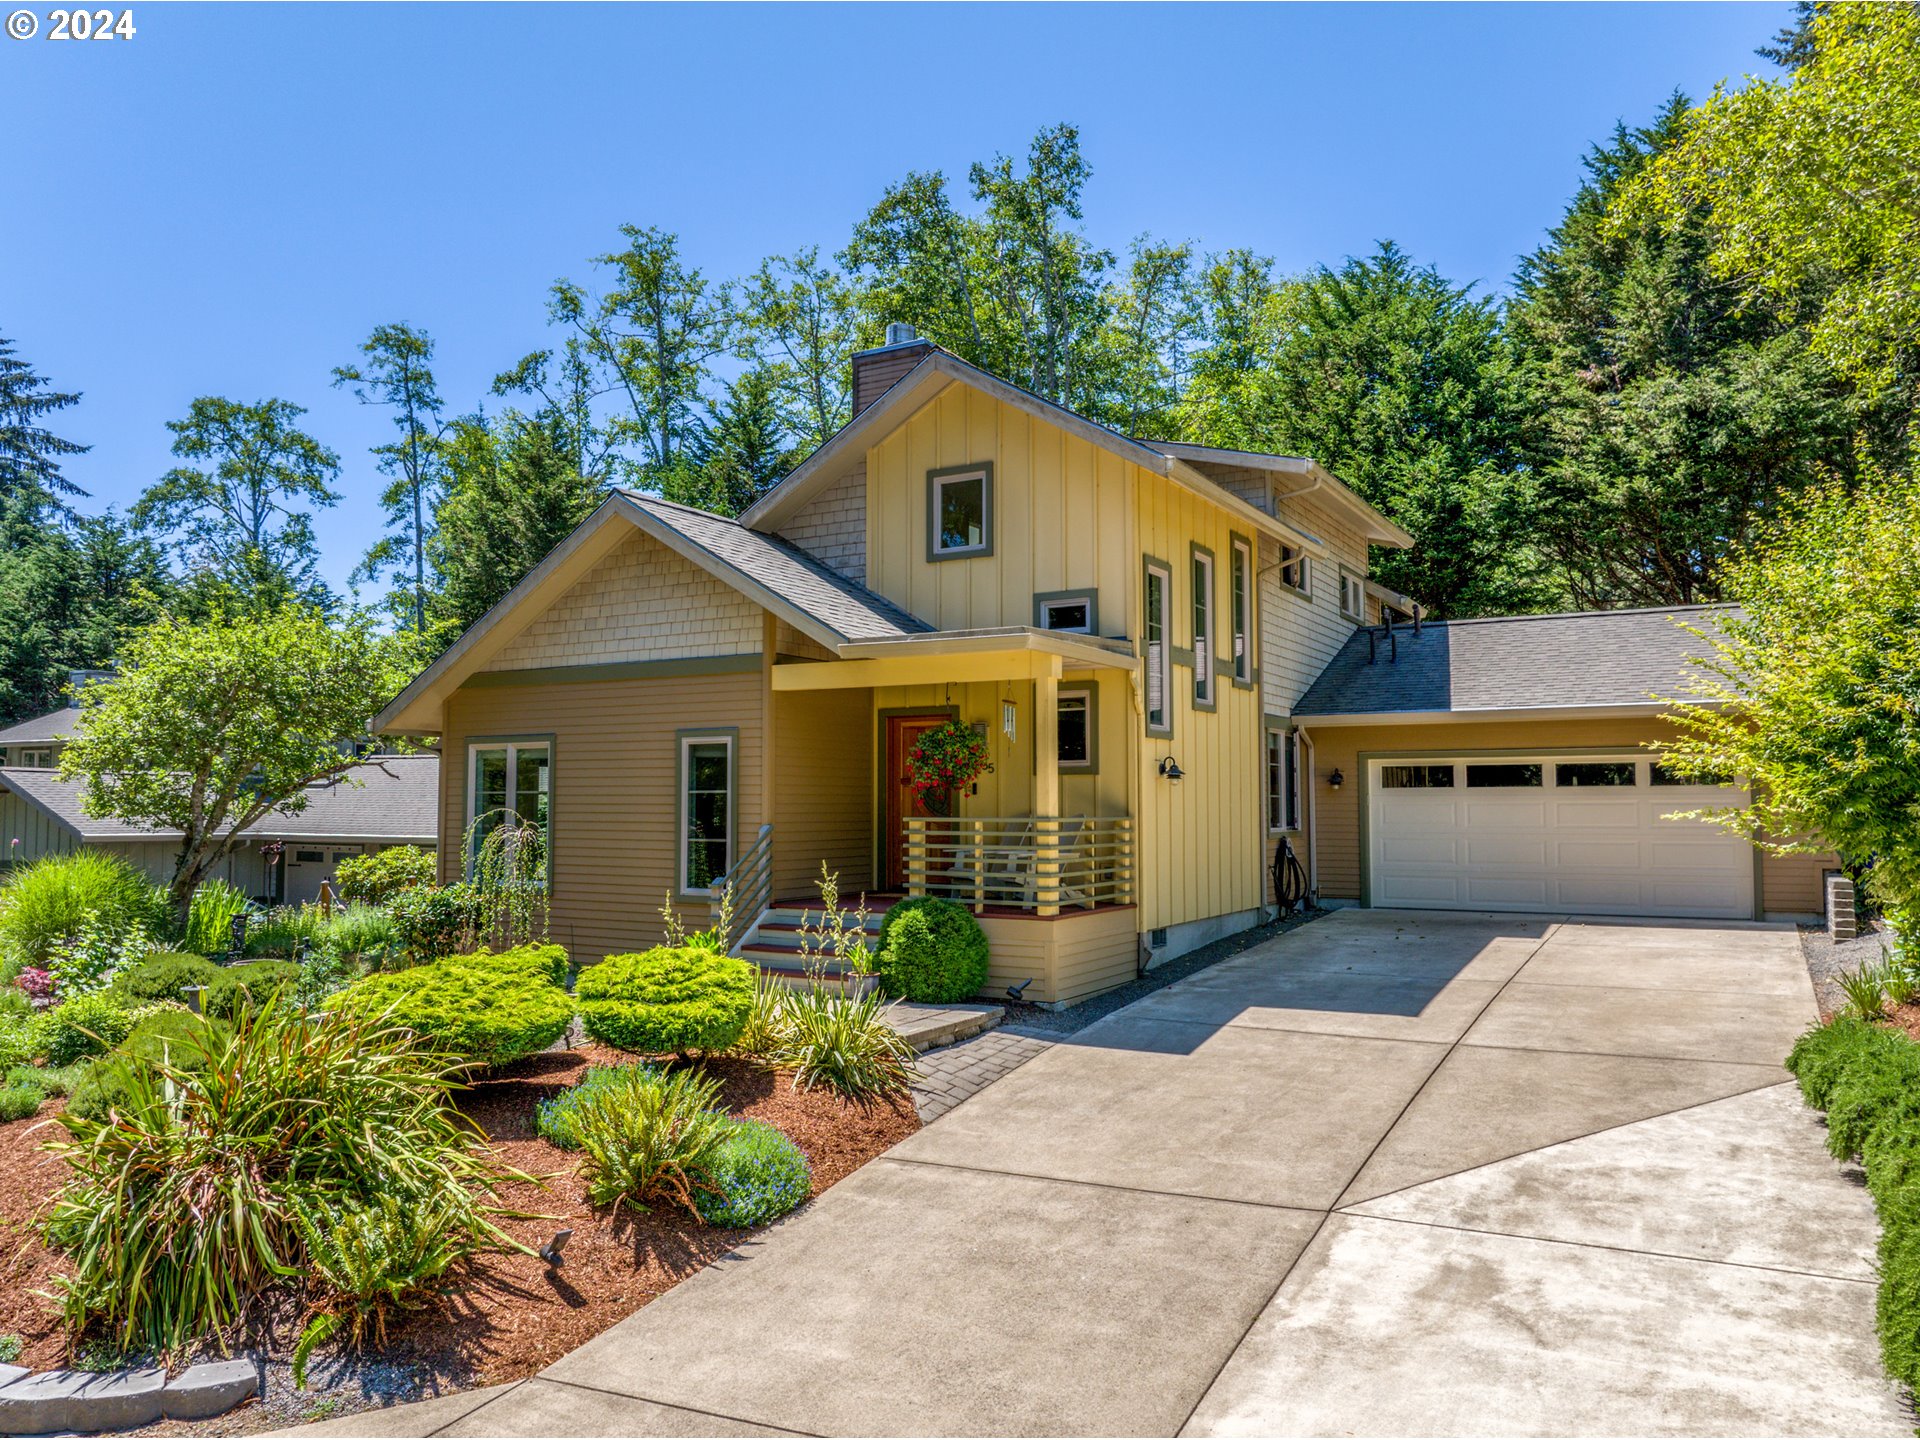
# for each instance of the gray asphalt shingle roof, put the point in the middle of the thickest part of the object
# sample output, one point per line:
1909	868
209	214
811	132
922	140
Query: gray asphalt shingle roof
396	801
847	609
1606	657
55	725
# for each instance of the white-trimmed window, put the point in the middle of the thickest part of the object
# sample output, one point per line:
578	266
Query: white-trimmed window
1072	613
1076	729
1203	650
1283	781
1159	581
1240	610
706	773
960	512
35	758
1293	569
1353	596
507	778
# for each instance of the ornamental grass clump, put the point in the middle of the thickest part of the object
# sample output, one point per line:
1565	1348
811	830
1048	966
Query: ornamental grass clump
755	1175
648	1136
487	1009
182	1208
666	1001
45	902
845	1043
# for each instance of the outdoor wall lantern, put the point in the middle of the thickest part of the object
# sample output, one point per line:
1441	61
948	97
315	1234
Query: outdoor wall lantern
1170	768
1336	780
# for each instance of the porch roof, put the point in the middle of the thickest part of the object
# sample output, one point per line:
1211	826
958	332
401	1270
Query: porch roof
1012	652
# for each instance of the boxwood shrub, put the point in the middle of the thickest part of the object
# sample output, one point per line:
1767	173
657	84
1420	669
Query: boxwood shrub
756	1175
468	1006
932	950
1867	1079
244	987
86	1025
164	976
17	1102
665	1001
178	1037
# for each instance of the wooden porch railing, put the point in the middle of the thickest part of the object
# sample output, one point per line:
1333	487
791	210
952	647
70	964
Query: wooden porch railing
751	880
1043	865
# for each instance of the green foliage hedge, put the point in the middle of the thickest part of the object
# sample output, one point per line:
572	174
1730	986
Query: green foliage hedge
86	1025
176	1038
933	951
1867	1079
245	987
666	1001
472	1006
377	878
163	977
548	962
429	923
17	1102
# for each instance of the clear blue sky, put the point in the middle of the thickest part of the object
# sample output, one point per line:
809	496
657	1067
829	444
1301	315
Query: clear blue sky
227	203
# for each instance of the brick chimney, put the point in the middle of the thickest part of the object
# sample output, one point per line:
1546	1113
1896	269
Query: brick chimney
875	370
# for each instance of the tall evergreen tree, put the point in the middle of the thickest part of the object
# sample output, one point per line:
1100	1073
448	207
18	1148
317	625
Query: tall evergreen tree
30	454
1665	417
398	373
741	451
241	516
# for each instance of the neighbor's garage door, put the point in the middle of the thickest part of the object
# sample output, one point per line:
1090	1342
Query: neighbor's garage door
1578	833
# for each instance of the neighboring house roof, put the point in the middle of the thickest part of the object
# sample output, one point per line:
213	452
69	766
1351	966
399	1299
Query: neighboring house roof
850	611
1606	659
396	802
941	369
54	725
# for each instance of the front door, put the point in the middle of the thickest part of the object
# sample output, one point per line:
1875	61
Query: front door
903	732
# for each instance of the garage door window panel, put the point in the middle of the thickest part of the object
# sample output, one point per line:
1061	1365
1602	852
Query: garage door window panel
1584	773
1505	776
1417	777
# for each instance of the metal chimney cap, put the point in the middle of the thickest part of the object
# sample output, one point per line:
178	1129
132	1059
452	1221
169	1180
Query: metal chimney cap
899	332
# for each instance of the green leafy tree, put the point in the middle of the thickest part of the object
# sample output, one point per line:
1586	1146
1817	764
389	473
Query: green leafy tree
798	321
1150	328
568	388
652	336
240	514
1813	689
1813	183
1401	384
213	727
398	374
1664	418
513	495
30	454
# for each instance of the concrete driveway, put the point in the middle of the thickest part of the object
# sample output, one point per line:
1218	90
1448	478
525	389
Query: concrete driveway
1393	1173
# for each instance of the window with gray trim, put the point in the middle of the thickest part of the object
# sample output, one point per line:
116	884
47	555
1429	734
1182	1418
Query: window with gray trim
1283	781
1203	651
1073	613
1353	595
1154	639
506	777
1240	609
960	512
706	810
1076	720
1293	569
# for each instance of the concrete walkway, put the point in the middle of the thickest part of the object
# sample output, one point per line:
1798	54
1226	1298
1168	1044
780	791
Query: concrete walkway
1390	1174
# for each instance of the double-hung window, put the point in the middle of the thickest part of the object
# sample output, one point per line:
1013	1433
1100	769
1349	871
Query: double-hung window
507	779
1353	596
706	818
1203	648
1240	610
1153	629
1283	781
1293	569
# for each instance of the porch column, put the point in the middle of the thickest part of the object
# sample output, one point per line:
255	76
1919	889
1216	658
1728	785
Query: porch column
1046	789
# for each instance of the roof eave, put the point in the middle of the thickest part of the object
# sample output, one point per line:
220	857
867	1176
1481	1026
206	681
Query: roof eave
1642	710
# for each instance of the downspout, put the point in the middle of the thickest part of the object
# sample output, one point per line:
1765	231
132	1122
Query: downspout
1311	816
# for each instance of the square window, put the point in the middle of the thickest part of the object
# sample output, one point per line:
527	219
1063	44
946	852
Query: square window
1293	569
959	512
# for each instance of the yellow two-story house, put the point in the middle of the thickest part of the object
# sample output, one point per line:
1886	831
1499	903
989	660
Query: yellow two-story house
690	702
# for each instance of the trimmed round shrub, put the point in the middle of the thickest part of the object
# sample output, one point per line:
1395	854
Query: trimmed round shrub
755	1176
246	987
549	962
17	1102
556	1118
379	877
932	950
488	1013
665	1001
163	977
86	1025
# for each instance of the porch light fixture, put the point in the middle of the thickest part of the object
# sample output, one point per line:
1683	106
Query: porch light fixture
1336	779
1170	768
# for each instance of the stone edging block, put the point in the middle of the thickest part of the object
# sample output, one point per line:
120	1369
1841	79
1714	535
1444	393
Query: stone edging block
202	1391
86	1400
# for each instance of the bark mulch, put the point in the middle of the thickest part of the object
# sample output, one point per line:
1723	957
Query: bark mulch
509	1315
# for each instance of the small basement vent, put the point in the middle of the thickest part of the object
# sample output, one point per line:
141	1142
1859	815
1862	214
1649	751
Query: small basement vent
1157	938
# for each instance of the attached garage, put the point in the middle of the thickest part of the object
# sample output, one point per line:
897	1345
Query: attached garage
1511	764
1579	833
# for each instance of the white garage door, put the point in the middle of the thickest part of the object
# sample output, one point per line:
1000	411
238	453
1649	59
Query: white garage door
1576	833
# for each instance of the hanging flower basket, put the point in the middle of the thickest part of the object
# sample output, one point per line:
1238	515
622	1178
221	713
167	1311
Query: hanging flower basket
943	762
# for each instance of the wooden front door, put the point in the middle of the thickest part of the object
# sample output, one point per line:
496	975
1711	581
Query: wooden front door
903	731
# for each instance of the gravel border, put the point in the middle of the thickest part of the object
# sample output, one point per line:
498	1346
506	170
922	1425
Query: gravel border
1024	1019
1827	959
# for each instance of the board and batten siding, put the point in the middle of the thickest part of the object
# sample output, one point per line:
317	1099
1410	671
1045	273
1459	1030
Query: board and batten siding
40	836
615	804
1198	843
1062	517
1789	884
641	601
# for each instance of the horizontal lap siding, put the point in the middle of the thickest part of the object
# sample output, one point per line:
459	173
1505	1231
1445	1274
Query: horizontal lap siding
615	806
823	790
1788	883
1299	635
